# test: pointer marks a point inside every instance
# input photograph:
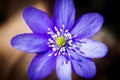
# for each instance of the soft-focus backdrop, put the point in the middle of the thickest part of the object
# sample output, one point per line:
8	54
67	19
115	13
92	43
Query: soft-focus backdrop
14	63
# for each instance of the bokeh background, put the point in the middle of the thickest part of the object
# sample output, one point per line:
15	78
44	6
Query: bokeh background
14	63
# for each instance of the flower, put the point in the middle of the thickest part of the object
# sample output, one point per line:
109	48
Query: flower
60	43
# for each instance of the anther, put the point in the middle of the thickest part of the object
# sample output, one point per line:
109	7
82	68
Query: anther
49	54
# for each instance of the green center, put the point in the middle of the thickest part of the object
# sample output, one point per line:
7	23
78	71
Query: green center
60	41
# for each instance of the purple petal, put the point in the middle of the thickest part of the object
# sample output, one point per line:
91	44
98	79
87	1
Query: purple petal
30	42
88	25
37	20
92	49
64	13
84	67
63	68
41	66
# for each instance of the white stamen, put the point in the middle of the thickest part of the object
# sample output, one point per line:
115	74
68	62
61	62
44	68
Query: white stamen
50	40
58	33
49	54
55	54
61	30
50	32
69	35
48	43
49	29
63	48
63	26
70	47
70	42
54	36
63	53
64	35
66	31
52	45
69	54
74	35
55	28
59	53
54	49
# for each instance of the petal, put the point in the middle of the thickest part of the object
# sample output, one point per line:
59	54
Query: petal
30	42
63	68
41	66
84	67
91	48
37	20
64	13
88	25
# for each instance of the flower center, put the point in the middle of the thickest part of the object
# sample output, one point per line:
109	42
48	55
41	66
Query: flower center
60	41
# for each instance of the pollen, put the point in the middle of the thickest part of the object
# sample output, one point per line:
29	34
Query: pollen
60	41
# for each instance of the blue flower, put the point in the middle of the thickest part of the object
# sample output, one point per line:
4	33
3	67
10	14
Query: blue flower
60	42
